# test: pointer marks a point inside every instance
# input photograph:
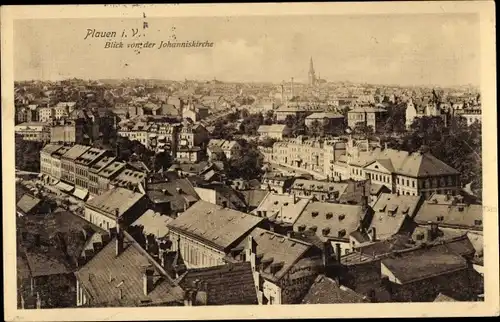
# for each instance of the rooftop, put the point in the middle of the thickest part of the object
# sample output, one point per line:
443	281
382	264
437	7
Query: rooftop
329	220
322	115
316	185
120	199
127	177
75	151
325	290
106	274
51	148
111	169
153	223
423	263
89	156
101	164
213	224
227	284
27	203
458	215
282	207
179	192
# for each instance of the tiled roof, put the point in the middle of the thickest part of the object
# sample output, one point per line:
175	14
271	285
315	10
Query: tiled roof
458	215
325	290
330	220
75	151
27	203
287	208
271	128
213	224
174	191
229	284
153	223
390	212
105	274
118	198
45	262
60	152
279	248
423	263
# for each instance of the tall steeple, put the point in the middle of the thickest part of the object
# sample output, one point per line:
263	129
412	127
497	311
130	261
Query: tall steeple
312	75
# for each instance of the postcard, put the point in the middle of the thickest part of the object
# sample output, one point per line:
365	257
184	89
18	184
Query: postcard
246	161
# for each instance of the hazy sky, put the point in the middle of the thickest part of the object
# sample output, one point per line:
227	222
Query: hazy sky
399	49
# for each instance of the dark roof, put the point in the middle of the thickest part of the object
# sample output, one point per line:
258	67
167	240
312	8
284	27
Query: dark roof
106	273
254	197
174	191
325	290
47	261
423	264
226	284
213	224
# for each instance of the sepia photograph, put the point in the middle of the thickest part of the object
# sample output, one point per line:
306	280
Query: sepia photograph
174	156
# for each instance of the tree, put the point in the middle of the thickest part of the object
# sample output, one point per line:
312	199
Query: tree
268	142
316	129
27	154
249	165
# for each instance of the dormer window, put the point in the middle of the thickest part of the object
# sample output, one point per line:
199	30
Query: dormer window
342	233
325	231
314	213
329	215
478	222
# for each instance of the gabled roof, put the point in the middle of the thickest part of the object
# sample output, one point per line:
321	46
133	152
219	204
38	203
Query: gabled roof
115	199
51	148
212	224
153	223
287	208
279	248
458	215
105	274
229	284
174	191
325	290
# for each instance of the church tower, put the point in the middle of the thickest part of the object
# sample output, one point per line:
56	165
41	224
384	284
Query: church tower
312	75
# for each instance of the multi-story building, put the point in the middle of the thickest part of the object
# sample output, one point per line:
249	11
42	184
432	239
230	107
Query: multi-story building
230	149
68	163
206	233
117	204
107	174
331	123
274	131
83	164
313	155
425	108
34	131
64	109
366	116
46	159
471	114
94	169
46	114
192	135
57	163
129	179
68	131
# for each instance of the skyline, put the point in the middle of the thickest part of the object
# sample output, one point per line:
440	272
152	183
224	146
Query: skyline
401	52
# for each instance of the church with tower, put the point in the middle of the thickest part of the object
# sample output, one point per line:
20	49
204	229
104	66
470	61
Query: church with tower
313	79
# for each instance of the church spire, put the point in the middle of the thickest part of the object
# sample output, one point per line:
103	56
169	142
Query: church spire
311	66
312	76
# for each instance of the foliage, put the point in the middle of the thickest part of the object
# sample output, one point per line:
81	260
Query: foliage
457	145
249	165
296	124
267	142
251	123
27	154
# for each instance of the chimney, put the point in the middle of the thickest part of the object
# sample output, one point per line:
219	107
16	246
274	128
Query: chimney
119	235
326	254
38	301
373	234
338	252
434	231
147	280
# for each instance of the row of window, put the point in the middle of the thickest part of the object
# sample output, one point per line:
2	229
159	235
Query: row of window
196	255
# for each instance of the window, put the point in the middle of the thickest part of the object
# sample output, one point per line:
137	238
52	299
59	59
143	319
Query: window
271	300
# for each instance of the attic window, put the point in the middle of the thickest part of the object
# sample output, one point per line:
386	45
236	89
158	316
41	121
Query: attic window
276	202
331	188
342	233
326	231
460	208
420	236
382	208
302	227
478	222
329	215
285	204
313	228
341	217
440	218
314	213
